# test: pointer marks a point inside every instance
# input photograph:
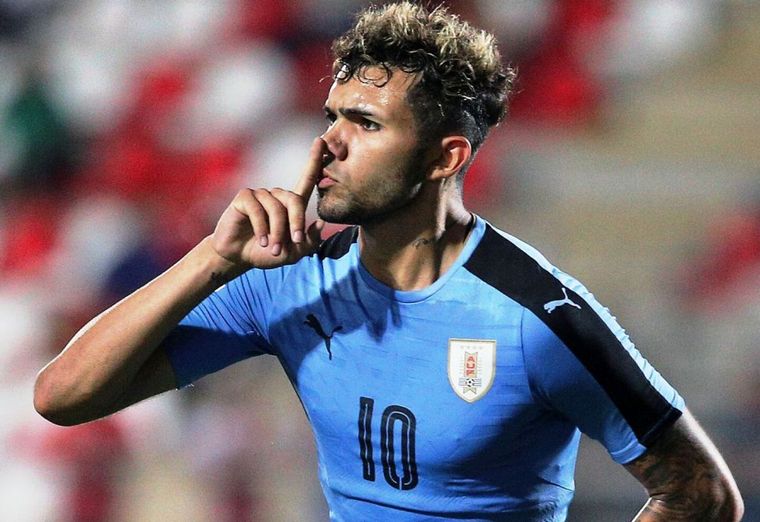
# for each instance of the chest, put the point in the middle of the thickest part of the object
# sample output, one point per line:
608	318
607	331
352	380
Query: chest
443	387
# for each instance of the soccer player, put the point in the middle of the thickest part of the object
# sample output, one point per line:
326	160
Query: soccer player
446	367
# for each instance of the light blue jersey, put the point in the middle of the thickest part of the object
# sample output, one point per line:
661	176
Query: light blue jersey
463	400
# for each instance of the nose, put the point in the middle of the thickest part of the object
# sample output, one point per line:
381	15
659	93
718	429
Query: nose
335	145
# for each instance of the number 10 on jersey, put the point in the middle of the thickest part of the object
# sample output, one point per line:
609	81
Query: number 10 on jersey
397	434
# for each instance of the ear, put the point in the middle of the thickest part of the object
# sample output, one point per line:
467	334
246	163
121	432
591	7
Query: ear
453	153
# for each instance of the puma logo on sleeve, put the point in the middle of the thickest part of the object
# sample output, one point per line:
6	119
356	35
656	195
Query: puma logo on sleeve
551	305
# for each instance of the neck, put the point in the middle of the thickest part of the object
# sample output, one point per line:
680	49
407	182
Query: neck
414	247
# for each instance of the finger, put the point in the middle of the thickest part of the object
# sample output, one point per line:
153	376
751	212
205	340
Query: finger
310	176
246	203
314	234
278	220
296	209
312	240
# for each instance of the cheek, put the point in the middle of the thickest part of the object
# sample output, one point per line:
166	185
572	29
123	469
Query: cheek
360	162
384	151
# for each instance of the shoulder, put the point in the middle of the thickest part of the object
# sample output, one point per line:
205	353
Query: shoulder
515	269
551	298
564	323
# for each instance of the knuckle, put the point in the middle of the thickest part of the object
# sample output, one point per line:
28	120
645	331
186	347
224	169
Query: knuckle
243	194
286	196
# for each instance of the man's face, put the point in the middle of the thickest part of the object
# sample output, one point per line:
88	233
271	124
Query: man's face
376	164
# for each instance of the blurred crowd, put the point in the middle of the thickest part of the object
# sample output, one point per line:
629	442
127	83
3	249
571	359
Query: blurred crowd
125	128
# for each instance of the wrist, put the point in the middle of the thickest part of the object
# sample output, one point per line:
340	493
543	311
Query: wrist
219	269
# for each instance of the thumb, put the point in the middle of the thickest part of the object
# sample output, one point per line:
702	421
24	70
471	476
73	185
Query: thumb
314	234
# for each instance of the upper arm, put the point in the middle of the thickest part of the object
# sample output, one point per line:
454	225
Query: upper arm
226	327
686	477
626	413
216	333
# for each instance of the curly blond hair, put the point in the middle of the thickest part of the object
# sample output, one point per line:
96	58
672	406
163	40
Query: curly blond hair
462	85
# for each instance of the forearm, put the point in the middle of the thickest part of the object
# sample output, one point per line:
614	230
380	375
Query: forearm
90	377
717	508
113	361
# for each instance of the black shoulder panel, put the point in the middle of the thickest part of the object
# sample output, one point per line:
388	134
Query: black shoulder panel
337	245
506	267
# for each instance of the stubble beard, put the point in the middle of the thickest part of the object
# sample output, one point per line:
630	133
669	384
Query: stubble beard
374	203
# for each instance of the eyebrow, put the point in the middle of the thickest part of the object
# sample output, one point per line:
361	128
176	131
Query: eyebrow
351	111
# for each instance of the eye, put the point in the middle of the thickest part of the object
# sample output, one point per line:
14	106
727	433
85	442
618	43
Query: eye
369	125
330	117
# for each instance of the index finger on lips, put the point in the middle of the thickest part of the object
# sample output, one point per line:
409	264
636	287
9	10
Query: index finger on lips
310	177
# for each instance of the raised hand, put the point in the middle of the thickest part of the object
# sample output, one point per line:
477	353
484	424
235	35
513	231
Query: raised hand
266	228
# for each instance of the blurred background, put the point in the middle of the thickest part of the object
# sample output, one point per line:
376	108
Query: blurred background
631	158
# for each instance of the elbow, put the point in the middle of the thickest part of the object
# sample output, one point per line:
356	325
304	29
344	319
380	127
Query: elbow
739	509
726	504
733	504
48	404
43	399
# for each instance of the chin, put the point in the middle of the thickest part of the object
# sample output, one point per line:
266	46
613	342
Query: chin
334	214
339	219
344	212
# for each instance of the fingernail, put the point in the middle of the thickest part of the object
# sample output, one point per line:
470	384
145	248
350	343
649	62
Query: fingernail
276	249
263	241
297	236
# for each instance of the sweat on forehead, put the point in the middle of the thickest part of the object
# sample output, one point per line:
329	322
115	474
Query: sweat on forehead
375	93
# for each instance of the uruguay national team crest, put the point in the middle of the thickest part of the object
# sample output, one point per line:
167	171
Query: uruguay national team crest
472	366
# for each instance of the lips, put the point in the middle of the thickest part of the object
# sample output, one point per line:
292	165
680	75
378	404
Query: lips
326	180
326	183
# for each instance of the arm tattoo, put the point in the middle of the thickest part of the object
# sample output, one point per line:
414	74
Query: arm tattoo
685	477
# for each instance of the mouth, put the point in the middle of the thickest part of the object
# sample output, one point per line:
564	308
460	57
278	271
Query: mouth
326	180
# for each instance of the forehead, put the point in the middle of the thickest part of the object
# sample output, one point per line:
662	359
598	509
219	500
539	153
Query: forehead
386	97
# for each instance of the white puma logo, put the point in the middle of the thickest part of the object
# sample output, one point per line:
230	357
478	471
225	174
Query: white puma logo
551	305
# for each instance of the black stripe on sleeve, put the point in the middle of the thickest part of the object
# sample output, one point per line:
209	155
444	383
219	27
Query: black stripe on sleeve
338	245
504	266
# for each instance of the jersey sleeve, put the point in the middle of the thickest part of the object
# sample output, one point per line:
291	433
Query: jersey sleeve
228	326
582	365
